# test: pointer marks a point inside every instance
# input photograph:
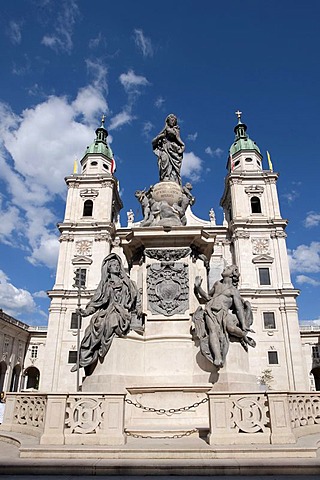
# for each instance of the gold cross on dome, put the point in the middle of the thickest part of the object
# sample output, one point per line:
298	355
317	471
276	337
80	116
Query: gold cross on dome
102	120
238	113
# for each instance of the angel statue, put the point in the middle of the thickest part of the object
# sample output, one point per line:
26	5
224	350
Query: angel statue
225	315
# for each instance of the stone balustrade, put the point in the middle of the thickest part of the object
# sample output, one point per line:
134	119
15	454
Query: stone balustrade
99	419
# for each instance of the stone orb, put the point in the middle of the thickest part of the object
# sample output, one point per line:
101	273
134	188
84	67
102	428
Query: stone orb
170	192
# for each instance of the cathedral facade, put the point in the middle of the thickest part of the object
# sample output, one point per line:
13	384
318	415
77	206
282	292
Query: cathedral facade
171	255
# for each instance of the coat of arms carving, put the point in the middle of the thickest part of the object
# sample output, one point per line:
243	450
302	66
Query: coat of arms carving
168	285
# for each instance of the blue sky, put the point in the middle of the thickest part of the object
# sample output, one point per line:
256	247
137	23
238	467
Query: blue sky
64	63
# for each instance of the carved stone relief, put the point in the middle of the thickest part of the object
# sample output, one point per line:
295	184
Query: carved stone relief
168	288
89	193
254	190
260	246
66	237
84	247
168	281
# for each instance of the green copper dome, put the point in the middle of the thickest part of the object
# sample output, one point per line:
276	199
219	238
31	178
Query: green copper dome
242	140
100	145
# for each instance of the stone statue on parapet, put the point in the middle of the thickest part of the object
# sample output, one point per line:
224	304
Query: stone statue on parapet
169	149
116	309
226	316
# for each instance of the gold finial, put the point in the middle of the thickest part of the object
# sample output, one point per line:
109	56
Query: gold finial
238	113
102	120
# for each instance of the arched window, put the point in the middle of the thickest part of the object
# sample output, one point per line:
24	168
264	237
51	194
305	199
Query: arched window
32	376
255	205
88	208
3	369
15	379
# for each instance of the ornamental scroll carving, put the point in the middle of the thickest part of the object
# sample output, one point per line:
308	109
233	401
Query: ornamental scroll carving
83	415
249	414
89	193
304	410
84	247
30	411
167	281
260	246
254	190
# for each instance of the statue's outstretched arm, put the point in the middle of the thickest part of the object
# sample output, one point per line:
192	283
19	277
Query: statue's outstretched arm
199	290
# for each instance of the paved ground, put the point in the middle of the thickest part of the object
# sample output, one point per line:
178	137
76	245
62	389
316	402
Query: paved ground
13	467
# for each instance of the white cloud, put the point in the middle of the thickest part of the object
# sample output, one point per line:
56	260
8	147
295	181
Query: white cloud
312	219
191	166
291	196
214	153
46	251
131	81
97	41
14	32
159	102
192	136
122	118
61	39
143	43
146	129
99	73
308	280
13	300
36	154
10	221
40	294
305	259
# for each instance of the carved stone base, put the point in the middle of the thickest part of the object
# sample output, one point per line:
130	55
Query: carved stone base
169	192
234	376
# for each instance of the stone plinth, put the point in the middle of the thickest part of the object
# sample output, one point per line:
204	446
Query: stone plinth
234	376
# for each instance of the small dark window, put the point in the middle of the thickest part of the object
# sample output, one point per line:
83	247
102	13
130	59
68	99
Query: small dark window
316	351
84	166
105	166
80	277
269	320
72	358
255	205
264	276
88	208
248	160
94	164
273	357
34	351
74	321
236	163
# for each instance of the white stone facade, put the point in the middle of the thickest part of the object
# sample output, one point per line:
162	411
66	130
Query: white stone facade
252	237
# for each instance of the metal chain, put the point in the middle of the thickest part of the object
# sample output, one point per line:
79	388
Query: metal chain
163	411
184	434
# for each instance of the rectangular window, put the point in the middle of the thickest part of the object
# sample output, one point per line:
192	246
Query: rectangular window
264	276
34	351
80	277
74	321
273	357
316	351
269	322
72	356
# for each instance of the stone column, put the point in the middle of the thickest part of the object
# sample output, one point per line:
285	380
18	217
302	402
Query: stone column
281	431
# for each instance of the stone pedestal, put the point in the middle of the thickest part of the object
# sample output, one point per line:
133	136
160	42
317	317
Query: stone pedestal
234	376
